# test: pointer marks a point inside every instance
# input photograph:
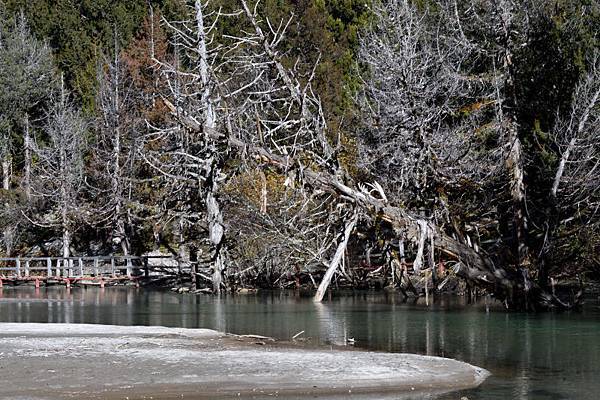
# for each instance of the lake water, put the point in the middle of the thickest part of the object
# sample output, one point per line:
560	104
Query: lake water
547	356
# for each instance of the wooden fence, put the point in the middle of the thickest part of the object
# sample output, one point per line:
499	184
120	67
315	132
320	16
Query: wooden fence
100	266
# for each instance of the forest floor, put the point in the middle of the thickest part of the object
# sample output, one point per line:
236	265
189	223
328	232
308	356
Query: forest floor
73	361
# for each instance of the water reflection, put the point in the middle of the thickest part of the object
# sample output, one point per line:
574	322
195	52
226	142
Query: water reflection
547	356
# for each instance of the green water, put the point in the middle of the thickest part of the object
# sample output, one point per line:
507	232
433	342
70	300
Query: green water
531	356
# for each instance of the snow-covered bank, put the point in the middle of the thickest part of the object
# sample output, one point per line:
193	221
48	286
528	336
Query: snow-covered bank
57	361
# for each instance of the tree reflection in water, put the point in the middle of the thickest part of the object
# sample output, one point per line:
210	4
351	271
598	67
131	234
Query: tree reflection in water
532	356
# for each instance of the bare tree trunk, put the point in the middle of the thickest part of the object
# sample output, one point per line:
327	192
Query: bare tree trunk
216	233
64	195
215	217
514	160
335	261
210	118
514	164
6	170
423	235
117	170
66	242
66	232
7	234
66	246
27	149
183	254
561	167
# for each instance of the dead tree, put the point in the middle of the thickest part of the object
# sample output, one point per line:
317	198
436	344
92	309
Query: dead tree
474	266
509	21
575	180
575	191
417	141
256	99
238	86
429	111
115	150
59	173
192	161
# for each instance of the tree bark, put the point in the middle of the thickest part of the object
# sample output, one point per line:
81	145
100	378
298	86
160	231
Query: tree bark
216	233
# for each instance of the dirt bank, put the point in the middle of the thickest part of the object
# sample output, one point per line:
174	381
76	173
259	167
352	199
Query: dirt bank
72	361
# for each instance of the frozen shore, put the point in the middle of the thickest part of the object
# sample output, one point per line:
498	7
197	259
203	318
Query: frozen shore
76	361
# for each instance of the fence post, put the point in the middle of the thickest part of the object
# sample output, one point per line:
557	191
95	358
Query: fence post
27	268
95	267
49	267
112	267
58	267
80	261
129	267
18	270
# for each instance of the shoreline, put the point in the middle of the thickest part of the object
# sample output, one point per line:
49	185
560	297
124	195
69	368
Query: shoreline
66	361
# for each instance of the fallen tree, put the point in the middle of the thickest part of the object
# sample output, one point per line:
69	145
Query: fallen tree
269	118
513	287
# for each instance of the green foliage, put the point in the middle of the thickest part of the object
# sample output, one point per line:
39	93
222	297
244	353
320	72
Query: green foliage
26	71
547	70
81	31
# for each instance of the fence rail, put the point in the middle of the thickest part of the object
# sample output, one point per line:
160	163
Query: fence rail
113	266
